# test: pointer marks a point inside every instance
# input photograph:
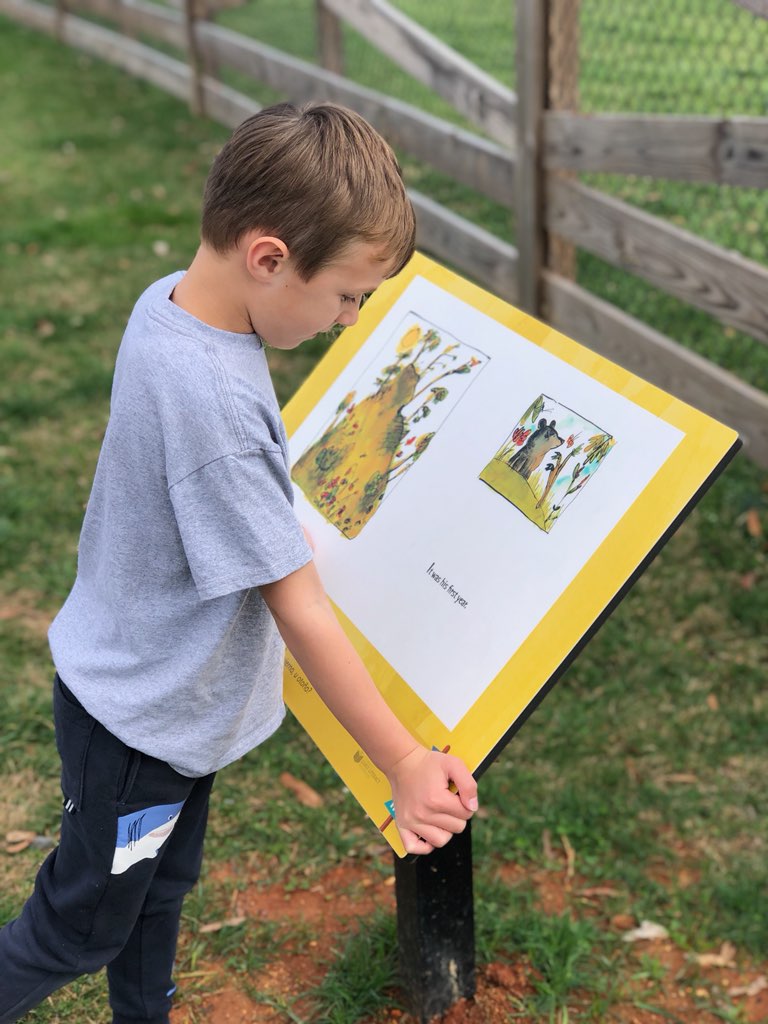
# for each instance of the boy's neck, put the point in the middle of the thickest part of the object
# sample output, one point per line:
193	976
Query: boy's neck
209	290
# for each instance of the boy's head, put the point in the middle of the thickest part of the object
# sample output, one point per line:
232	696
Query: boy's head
318	177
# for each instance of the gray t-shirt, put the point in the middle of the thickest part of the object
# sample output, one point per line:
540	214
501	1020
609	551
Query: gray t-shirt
165	638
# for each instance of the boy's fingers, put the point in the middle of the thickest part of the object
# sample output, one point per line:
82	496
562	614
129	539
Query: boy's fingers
412	842
470	802
465	784
450	822
438	825
424	843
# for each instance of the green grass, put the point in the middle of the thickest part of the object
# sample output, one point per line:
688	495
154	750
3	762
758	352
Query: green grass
648	759
361	976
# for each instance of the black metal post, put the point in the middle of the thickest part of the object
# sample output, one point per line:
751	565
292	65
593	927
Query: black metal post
436	928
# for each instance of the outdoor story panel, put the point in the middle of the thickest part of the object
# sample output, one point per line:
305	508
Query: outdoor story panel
481	491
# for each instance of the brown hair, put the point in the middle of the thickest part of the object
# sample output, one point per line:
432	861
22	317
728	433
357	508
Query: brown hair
319	177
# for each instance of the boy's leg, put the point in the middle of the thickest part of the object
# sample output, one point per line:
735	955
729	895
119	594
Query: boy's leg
88	893
141	976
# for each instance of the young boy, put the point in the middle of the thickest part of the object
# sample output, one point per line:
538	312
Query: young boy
193	569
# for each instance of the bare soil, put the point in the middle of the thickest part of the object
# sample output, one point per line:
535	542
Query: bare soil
338	904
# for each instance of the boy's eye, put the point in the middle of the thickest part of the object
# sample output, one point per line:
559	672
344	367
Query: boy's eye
353	298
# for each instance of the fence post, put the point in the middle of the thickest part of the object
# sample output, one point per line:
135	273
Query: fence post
532	59
122	14
196	95
435	927
563	94
330	42
58	25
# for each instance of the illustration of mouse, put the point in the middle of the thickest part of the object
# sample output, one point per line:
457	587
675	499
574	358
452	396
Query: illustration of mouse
544	438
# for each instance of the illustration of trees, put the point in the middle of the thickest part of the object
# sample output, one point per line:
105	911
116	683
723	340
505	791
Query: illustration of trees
595	450
369	444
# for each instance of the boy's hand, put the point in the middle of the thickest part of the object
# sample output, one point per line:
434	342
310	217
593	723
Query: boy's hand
434	793
434	796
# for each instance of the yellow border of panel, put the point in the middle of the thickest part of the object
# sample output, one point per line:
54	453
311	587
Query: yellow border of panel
704	445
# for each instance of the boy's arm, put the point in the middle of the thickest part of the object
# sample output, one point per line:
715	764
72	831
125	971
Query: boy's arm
428	812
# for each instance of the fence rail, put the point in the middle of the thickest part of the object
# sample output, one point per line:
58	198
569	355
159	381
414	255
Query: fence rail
731	151
758	7
474	94
529	165
467	158
638	347
729	286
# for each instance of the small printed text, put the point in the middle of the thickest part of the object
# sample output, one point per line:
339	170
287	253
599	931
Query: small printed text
294	672
450	590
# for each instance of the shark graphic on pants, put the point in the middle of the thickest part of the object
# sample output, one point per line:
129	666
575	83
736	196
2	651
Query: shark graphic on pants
141	834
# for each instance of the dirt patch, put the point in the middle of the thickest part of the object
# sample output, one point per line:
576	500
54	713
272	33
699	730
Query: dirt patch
340	897
333	907
659	980
22	608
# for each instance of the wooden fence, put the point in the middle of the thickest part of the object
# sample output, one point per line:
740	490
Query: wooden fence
527	158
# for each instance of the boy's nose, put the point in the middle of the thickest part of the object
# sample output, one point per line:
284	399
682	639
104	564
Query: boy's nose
349	316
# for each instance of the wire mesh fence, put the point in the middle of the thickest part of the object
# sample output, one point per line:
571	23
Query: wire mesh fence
693	57
673	56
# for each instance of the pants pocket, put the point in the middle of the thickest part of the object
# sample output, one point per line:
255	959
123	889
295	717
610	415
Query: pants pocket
128	775
74	731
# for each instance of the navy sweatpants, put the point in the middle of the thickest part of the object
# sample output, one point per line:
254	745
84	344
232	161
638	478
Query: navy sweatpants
111	892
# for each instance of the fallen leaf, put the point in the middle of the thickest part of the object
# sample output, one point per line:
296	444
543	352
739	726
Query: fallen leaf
546	845
598	890
687	877
19	839
216	926
755	988
622	921
647	930
748	580
679	778
712	702
19	836
17	847
753	524
725	958
45	328
570	856
306	796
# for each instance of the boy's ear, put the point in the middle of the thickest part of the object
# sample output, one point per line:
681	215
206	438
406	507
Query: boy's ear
265	256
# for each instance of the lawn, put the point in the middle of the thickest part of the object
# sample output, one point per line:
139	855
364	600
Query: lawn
636	792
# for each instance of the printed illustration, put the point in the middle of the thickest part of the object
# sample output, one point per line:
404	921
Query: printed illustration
373	441
141	834
549	457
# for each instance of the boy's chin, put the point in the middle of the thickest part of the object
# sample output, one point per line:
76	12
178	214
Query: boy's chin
286	344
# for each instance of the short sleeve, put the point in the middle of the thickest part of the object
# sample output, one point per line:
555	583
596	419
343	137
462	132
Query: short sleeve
237	523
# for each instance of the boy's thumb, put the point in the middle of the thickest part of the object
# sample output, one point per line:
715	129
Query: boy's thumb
465	784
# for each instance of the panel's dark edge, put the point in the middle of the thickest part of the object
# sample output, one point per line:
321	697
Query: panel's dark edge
615	601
